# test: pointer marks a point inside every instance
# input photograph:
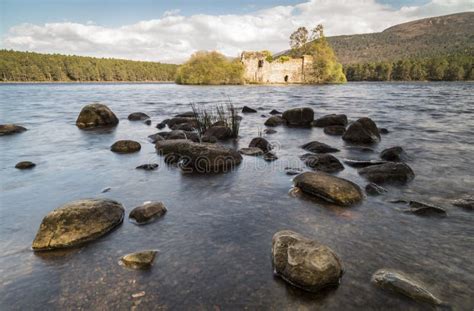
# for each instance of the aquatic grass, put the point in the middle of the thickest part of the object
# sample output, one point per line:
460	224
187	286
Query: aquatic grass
222	113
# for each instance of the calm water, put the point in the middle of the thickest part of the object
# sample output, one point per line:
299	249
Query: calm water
215	241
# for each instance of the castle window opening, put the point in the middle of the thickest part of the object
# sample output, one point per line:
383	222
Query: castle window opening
286	78
260	63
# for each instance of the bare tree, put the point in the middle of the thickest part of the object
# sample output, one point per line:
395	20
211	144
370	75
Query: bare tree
317	32
299	38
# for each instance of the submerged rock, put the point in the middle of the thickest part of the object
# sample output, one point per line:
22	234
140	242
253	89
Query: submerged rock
96	115
139	260
363	163
138	116
156	137
318	147
147	212
148	167
400	283
324	162
24	165
395	154
390	172
466	202
247	109
305	263
162	124
274	111
299	116
423	209
77	222
374	189
330	188
274	121
219	132
362	131
126	146
330	120
251	151
10	129
383	131
148	122
270	157
269	131
335	130
261	143
293	171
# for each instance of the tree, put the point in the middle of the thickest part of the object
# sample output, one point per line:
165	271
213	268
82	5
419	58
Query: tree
299	38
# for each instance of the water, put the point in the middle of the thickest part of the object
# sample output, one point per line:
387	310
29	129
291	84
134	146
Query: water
215	241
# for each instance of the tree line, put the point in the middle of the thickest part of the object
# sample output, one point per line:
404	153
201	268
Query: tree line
29	66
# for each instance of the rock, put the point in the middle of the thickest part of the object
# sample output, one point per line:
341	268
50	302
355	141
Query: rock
305	263
274	111
395	154
324	162
261	143
383	131
270	157
269	131
335	130
400	283
209	139
183	127
391	172
147	212
172	158
162	124
330	188
331	120
10	129
251	151
187	114
274	121
359	149
179	120
318	147
423	209
96	115
299	116
156	137
263	115
78	222
148	167
200	157
218	123
247	109
106	190
126	146
138	116
148	122
175	134
466	202
219	132
374	189
139	260
24	165
362	131
363	163
293	171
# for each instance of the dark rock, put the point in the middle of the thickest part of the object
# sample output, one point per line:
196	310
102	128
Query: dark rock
335	130
183	127
396	154
331	120
305	263
148	167
274	111
106	190
247	109
362	131
162	125
139	260
400	283
360	148
466	202
324	162
391	172
275	121
209	139
96	115
293	171
179	120
175	134
156	137
147	212
299	116
330	188
78	222
126	146
423	209
383	131
362	163
270	156
24	165
269	131
251	151
261	143
219	132
219	123
187	114
263	115
138	116
10	129
318	147
374	189
148	122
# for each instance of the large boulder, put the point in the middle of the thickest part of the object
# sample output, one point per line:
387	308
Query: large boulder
402	284
275	121
330	188
10	129
318	147
362	131
299	116
330	120
147	212
390	172
261	143
139	260
219	132
305	263
323	162
138	116
200	157
96	115
395	154
77	222
126	146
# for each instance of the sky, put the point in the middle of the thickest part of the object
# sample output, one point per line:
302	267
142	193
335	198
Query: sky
170	31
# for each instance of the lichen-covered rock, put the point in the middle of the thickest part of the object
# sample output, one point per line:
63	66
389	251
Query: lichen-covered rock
330	120
261	143
247	109
395	154
362	131
138	116
23	165
126	146
299	116
77	222
10	129
275	121
147	212
323	162
219	132
400	283
330	188
318	147
251	151
139	260
96	115
390	172
305	263
335	130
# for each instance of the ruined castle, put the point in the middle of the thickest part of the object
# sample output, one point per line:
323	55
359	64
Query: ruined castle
259	68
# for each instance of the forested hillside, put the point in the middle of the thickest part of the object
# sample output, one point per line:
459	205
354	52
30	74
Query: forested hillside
28	66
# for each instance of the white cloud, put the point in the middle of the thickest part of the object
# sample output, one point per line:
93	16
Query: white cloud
173	37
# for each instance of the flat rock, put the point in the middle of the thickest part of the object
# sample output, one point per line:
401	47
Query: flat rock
247	109
330	120
395	154
362	131
261	143
139	260
126	146
424	209
275	121
138	116
299	116
77	222
10	129
305	263
318	147
147	212
96	115
363	163
391	172
148	167
466	202
251	151
374	189
330	188
324	162
23	165
335	130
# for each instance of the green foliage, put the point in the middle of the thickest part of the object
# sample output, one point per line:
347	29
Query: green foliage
283	59
210	68
268	56
28	66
